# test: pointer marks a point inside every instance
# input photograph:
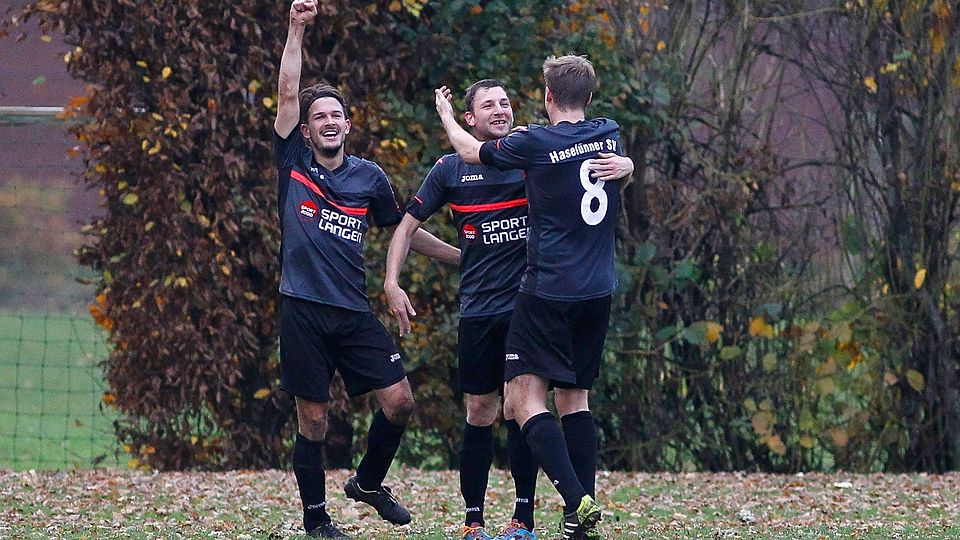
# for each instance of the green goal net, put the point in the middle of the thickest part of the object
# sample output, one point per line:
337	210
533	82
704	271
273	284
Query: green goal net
51	386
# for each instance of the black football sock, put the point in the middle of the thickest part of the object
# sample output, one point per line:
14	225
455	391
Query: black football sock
580	432
311	480
523	468
476	455
546	441
383	440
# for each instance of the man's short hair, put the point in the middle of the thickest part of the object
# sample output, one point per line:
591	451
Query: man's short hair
320	90
571	79
476	87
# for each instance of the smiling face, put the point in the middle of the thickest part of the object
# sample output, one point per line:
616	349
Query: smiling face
491	116
326	127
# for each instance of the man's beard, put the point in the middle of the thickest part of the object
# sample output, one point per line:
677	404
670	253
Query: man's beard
328	152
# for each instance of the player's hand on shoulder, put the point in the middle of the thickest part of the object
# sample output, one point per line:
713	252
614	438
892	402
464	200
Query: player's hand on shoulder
303	11
610	166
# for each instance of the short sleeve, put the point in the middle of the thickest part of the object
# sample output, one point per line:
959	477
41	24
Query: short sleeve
432	193
287	150
510	152
384	208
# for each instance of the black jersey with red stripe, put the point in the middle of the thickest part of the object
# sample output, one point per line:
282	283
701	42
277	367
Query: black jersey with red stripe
324	218
490	211
572	216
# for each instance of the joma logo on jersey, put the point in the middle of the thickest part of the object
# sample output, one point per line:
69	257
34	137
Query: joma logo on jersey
513	356
308	209
471	178
394	357
469	232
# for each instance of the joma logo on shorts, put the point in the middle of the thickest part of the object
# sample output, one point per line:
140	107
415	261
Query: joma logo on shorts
513	356
394	357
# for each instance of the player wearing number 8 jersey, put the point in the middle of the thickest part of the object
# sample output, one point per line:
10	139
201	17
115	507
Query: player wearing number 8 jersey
559	324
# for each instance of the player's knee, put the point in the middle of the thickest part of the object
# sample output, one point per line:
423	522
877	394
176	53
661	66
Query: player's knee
313	427
481	410
399	409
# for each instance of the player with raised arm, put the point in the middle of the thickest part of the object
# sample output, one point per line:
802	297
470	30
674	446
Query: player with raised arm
561	315
327	200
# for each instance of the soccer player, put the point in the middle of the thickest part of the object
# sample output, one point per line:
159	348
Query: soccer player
561	315
326	202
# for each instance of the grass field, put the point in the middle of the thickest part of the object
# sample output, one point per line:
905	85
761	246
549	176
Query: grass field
50	391
111	503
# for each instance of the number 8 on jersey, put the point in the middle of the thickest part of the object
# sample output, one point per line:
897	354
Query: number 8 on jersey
594	192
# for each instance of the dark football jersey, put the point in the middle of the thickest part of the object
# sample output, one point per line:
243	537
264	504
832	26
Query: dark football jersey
572	216
490	211
324	217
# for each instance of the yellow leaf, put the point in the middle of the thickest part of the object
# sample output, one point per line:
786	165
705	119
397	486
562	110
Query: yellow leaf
46	39
870	83
713	331
130	199
225	269
807	442
142	63
644	10
148	226
915	380
109	398
661	46
937	40
166	72
394	6
253	86
181	282
759	327
775	444
890	67
919	278
154	149
267	102
261	393
133	463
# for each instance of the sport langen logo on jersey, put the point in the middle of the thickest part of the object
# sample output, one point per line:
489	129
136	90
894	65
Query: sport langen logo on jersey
341	225
500	231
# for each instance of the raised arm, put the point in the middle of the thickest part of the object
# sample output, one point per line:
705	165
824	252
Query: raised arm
464	143
288	105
